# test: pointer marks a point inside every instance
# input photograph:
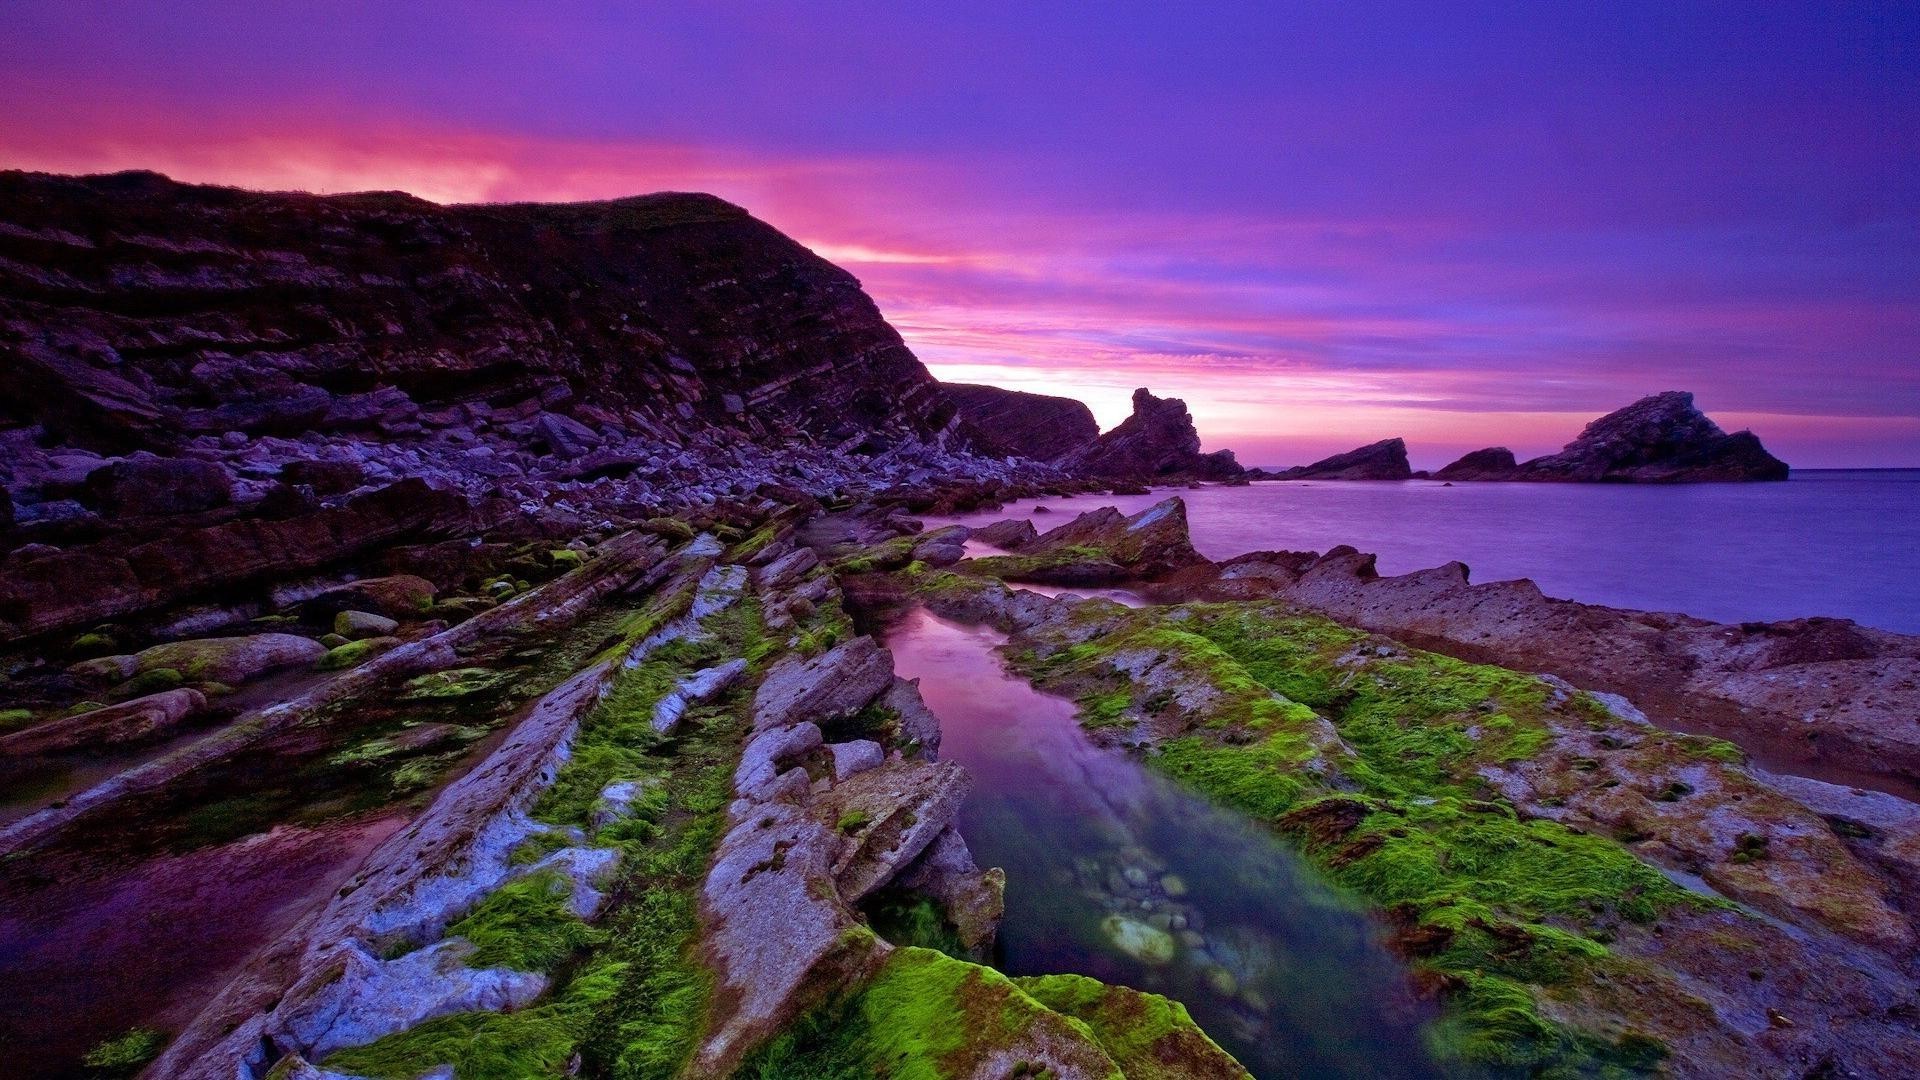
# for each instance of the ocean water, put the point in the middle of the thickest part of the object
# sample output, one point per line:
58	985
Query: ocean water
1826	542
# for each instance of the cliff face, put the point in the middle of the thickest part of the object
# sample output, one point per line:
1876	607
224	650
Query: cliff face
1661	439
1035	426
137	311
203	387
1384	460
1158	440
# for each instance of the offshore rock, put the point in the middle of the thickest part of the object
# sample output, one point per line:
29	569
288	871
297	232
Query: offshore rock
1157	441
1662	439
1384	460
1493	463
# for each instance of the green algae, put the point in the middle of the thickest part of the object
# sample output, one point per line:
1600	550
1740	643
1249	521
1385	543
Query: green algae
1501	910
124	1055
455	683
526	925
1147	1035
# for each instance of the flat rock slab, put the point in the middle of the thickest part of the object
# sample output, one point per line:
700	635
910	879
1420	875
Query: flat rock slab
901	807
133	721
836	684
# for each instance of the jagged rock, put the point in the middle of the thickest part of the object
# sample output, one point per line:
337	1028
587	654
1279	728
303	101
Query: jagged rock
1034	426
778	936
129	722
695	689
1493	463
1659	439
767	754
1158	440
1384	460
973	899
152	486
231	660
838	683
372	998
1104	546
899	808
919	728
1014	534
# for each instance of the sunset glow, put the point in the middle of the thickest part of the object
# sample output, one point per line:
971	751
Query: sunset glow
1313	251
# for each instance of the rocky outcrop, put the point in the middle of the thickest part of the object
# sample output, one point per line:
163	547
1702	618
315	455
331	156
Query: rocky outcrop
128	723
1102	547
1384	460
1158	441
1661	439
1035	426
1493	463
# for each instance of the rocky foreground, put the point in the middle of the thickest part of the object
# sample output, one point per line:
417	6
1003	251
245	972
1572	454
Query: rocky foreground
439	641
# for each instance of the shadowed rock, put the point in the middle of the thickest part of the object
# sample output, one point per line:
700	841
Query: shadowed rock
1157	441
1035	426
1384	460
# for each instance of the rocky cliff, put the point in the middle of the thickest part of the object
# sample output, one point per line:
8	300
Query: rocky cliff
1660	439
202	387
1039	427
1157	441
1384	460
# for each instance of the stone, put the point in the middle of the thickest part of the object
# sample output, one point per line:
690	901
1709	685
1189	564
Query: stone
905	805
919	728
850	758
1139	940
1493	463
396	596
973	899
231	660
325	477
130	722
355	625
768	753
151	486
1014	534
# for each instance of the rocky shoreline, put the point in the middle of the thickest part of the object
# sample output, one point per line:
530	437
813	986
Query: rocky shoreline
442	641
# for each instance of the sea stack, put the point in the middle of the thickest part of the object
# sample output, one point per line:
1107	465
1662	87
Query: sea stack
1660	439
1384	460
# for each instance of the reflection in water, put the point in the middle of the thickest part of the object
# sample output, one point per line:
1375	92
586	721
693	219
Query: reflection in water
1116	873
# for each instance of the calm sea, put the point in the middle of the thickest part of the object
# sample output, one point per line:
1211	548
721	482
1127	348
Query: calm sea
1826	542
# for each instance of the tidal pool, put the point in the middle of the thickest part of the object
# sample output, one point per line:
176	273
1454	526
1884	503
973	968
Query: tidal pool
1117	873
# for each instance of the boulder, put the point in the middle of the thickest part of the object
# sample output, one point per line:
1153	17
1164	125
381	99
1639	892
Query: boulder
1151	544
1384	460
396	596
853	758
1013	534
129	722
153	486
231	660
890	814
354	625
942	547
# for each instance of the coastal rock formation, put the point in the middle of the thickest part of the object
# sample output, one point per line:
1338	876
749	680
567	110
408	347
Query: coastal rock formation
1493	463
1035	426
1157	441
1660	439
1103	546
1384	460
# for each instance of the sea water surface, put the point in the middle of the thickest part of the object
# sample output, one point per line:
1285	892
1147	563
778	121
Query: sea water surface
1838	542
1117	873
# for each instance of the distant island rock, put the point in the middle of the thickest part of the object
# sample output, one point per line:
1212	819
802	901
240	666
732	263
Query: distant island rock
1660	439
1384	460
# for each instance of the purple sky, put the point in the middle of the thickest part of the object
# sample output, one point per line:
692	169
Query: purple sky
1321	225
